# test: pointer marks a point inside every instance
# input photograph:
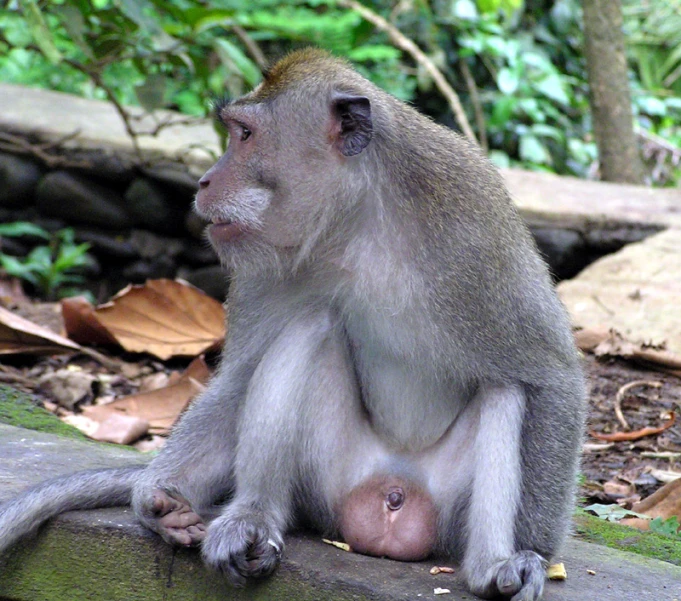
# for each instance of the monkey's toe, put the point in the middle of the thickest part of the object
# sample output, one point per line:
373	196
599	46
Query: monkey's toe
171	516
243	547
520	578
522	575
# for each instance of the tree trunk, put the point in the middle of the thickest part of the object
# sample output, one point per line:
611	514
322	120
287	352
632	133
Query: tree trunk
610	96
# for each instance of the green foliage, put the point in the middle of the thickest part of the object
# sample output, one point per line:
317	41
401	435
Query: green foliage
49	268
525	59
669	527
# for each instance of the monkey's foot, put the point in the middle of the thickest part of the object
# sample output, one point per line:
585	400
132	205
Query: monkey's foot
243	544
520	577
170	515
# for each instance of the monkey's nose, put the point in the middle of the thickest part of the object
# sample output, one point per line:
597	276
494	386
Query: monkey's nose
204	182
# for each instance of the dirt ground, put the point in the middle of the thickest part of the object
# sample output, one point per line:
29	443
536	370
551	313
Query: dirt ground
626	472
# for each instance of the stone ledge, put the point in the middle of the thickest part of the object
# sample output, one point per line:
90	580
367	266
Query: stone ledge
104	555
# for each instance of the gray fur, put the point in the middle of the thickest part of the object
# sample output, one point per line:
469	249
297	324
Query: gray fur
389	312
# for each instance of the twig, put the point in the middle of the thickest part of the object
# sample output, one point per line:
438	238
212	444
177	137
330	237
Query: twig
251	46
404	43
619	397
477	105
19	145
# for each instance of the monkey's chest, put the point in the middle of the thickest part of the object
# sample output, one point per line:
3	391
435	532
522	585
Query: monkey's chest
408	405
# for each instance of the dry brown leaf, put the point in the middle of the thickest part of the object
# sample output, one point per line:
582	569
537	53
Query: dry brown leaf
81	323
160	407
19	335
121	429
587	339
663	503
617	346
164	318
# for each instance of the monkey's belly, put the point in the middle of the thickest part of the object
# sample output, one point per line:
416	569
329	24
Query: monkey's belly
388	516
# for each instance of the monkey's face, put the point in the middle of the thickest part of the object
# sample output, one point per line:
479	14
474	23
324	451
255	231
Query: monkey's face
285	170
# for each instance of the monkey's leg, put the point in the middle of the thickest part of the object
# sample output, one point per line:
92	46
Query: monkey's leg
293	408
492	565
176	495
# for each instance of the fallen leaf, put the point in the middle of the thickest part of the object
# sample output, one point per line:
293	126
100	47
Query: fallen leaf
663	503
164	318
81	323
556	571
587	339
636	434
160	408
86	425
121	429
19	335
68	387
617	346
338	544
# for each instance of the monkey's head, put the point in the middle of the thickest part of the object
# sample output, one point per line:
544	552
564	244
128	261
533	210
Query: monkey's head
293	164
389	516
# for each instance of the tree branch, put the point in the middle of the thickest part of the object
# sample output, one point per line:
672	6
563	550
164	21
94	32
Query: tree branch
404	43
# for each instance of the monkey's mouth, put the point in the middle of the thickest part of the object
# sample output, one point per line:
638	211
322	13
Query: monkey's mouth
226	231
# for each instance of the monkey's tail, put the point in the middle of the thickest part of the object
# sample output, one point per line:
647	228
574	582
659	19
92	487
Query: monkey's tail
83	490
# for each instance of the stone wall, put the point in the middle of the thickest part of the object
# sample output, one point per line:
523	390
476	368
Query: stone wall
139	222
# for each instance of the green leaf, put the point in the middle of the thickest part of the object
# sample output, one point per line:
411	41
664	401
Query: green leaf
23	228
613	513
18	269
532	150
552	87
74	23
668	527
377	52
507	81
464	9
232	55
40	31
151	94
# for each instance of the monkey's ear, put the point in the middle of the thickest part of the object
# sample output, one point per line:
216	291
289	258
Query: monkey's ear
353	123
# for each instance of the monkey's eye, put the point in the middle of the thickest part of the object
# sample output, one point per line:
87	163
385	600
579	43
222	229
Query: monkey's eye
245	134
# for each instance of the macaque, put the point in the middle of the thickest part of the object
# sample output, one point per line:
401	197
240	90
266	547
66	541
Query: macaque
398	368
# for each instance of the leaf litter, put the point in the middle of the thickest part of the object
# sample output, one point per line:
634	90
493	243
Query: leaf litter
119	397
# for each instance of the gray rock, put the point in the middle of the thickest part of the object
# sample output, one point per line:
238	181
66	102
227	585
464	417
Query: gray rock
105	555
212	280
19	178
143	270
150	245
175	177
560	248
106	245
195	225
150	206
198	254
79	199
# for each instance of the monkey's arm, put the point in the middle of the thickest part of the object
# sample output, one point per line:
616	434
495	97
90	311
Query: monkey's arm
83	490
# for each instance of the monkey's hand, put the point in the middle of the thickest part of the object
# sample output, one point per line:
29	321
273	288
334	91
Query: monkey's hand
170	515
520	577
243	543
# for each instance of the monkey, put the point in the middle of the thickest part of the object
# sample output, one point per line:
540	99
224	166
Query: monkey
398	370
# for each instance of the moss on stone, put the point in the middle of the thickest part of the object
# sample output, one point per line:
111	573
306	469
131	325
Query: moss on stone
22	410
625	538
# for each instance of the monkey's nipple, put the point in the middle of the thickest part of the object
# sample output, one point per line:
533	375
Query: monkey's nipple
394	499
